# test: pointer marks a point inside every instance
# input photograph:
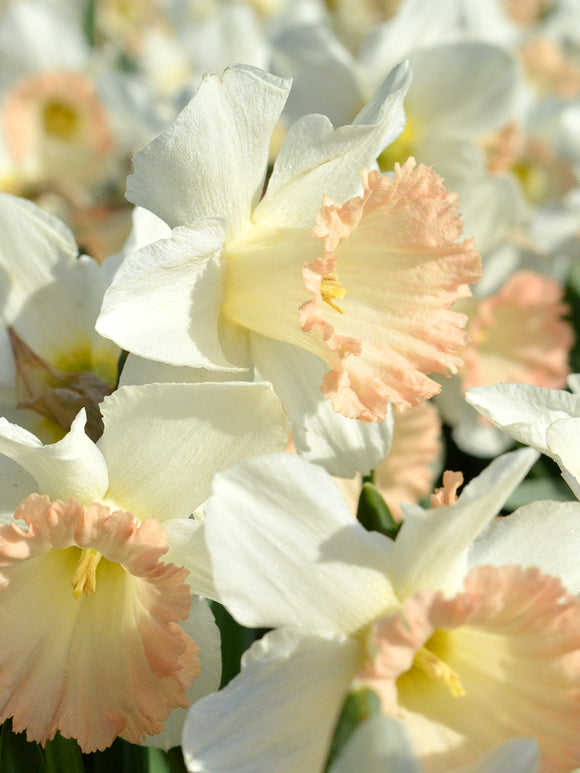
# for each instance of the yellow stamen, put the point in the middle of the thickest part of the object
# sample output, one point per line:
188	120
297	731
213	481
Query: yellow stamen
330	289
84	579
434	667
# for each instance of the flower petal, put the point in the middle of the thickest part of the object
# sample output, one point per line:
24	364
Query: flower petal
174	285
524	411
431	548
541	534
212	161
112	662
158	434
317	160
72	467
279	511
342	446
279	713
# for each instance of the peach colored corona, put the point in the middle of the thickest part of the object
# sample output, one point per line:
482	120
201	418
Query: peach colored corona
466	673
61	106
520	335
90	644
408	471
381	293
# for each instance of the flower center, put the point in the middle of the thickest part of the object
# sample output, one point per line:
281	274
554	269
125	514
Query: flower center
60	120
331	290
84	579
435	668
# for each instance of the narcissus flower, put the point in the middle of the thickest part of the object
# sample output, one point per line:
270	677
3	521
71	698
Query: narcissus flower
359	284
101	559
460	612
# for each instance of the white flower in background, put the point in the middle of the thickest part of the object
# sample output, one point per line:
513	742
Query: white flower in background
360	289
100	553
546	419
53	361
458	614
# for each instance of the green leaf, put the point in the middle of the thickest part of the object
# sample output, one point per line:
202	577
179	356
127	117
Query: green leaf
63	754
360	705
373	512
17	754
121	757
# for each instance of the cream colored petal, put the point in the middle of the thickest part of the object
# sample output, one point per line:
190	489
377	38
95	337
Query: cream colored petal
158	434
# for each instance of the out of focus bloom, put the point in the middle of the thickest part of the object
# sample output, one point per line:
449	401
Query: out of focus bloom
363	286
98	562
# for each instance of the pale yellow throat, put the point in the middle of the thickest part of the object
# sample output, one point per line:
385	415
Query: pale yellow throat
435	668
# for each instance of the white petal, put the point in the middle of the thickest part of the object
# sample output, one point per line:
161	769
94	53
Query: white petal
279	713
477	102
161	434
137	370
165	300
15	484
562	442
212	161
431	547
286	550
202	628
342	446
73	467
324	73
33	244
377	745
524	411
187	547
542	534
316	159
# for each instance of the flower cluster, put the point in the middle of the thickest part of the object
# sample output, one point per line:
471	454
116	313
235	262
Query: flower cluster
276	279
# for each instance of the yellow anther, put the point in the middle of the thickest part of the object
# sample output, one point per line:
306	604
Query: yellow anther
434	667
84	580
330	289
60	120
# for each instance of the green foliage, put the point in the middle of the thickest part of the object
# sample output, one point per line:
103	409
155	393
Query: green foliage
360	705
373	512
17	755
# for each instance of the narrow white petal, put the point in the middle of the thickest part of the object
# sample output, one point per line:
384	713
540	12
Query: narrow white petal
279	713
160	434
317	160
431	547
286	550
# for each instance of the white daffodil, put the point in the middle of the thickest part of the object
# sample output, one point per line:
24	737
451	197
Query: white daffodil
349	298
100	553
546	419
53	362
458	614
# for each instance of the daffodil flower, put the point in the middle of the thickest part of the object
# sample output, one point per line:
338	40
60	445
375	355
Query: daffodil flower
102	557
319	288
461	612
